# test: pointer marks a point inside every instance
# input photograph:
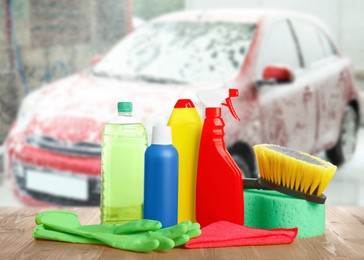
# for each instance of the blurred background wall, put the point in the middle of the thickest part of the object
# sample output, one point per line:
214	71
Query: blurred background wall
44	40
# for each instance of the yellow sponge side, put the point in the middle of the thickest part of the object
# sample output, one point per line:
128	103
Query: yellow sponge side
293	169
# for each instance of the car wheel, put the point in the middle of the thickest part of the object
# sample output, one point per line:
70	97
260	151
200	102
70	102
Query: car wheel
243	165
345	146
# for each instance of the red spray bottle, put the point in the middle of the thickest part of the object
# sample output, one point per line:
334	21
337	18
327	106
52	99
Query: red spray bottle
219	190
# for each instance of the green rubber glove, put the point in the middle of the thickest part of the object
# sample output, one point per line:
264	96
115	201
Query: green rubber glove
177	235
43	232
69	219
139	235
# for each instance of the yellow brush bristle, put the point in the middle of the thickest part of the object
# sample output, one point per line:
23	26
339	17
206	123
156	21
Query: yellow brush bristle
293	169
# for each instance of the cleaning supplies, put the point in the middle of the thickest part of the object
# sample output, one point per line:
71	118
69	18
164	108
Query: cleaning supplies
295	173
219	191
124	140
161	178
227	234
139	235
186	126
269	209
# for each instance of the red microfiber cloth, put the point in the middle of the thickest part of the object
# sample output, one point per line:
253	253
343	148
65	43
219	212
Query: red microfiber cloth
225	234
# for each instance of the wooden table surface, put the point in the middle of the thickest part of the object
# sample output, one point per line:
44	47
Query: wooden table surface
344	238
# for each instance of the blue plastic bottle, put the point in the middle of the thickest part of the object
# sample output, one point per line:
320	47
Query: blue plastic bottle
161	178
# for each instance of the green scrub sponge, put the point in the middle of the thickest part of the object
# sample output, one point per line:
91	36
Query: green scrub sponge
268	209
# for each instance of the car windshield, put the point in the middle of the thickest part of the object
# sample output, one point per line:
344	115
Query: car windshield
180	52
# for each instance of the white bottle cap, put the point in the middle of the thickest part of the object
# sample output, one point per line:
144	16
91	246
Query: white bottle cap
162	135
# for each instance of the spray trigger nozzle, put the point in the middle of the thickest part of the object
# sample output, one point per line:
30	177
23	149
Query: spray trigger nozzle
232	93
215	98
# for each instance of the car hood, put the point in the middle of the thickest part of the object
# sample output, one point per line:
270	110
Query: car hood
76	108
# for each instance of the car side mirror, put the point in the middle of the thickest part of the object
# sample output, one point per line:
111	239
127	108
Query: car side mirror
276	74
96	59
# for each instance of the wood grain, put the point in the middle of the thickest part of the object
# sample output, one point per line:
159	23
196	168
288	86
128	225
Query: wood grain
344	238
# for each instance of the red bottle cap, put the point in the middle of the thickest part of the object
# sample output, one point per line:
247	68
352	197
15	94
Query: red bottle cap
213	112
184	103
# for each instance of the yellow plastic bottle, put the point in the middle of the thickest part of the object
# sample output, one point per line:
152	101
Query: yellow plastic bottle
186	126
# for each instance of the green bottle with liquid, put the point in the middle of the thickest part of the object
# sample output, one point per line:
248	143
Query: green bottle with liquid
124	140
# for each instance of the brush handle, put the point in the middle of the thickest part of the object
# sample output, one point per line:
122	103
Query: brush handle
253	183
262	184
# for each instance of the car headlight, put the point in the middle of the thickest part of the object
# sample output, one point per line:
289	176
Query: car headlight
26	111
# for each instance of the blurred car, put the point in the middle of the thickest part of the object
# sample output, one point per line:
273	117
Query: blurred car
296	90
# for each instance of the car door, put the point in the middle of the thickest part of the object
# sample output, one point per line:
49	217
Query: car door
287	109
327	73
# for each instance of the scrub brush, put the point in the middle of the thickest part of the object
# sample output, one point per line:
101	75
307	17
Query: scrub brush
294	173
